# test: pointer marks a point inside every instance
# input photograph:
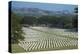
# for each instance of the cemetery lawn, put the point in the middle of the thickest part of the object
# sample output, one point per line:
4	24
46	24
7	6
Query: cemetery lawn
17	49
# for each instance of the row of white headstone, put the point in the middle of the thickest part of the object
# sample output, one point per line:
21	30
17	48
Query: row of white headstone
55	43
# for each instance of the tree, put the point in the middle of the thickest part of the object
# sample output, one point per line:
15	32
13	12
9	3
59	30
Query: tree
16	29
30	20
75	18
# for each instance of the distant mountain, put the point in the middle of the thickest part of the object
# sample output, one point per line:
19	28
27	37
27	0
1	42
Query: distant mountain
39	12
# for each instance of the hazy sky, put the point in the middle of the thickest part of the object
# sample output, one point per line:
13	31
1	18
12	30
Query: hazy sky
44	6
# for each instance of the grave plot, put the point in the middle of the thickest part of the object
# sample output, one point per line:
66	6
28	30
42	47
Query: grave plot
35	40
56	31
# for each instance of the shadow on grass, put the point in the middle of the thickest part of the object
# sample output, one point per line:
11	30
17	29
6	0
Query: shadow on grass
17	49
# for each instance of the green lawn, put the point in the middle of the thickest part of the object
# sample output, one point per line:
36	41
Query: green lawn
17	49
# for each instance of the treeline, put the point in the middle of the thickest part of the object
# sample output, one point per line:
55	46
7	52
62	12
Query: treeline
51	21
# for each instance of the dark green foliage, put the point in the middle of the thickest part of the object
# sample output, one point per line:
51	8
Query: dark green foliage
76	10
69	26
50	21
30	20
16	29
75	19
55	21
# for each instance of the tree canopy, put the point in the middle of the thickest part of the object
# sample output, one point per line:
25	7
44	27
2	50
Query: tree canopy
16	29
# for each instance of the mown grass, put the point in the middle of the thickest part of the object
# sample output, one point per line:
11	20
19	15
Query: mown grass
16	48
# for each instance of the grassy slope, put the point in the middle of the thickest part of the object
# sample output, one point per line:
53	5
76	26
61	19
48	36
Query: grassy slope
17	49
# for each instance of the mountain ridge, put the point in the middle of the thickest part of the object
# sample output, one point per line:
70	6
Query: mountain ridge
40	12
